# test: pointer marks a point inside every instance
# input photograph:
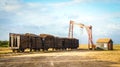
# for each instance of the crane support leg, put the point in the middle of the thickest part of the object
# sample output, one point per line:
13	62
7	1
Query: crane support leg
70	30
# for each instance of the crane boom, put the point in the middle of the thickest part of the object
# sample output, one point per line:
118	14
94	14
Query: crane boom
88	29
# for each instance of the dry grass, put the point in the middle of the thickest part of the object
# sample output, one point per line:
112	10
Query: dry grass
116	47
4	50
76	58
83	46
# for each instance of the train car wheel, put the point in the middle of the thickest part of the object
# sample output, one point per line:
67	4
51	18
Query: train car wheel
30	50
18	50
13	50
22	50
35	50
46	49
38	49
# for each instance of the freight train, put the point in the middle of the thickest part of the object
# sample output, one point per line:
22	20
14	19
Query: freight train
20	42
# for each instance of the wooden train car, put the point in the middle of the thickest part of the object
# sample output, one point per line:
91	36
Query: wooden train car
58	43
48	41
35	42
20	42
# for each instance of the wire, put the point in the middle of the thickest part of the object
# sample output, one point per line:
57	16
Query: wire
81	30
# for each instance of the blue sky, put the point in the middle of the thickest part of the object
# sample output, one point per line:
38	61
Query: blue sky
53	17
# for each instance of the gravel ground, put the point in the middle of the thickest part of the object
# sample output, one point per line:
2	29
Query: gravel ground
76	58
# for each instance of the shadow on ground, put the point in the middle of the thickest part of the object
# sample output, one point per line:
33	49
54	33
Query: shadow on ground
55	61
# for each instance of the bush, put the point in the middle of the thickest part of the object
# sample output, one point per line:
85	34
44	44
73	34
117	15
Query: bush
3	43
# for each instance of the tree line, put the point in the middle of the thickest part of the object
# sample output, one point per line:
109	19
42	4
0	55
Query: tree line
4	43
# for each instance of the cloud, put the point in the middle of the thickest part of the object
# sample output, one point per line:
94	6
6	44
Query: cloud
53	18
105	1
113	27
31	18
9	5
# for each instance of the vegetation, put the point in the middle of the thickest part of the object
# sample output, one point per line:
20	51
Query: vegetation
4	43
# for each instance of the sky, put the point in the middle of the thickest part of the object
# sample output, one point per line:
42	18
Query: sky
53	17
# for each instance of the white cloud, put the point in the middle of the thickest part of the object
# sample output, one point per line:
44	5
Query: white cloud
105	1
34	4
113	27
10	5
54	18
100	32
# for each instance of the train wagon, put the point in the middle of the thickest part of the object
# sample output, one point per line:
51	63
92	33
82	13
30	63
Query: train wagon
18	42
70	43
35	42
64	43
48	41
59	43
74	43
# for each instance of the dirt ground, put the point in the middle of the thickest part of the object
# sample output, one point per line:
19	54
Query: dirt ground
71	58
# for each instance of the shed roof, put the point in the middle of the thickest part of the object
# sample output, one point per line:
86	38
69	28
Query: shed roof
104	40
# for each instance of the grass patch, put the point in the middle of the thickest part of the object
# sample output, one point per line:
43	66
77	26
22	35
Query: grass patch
4	43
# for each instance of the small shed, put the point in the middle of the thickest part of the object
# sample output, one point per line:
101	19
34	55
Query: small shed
104	43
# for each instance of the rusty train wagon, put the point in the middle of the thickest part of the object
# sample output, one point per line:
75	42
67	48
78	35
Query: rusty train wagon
59	43
35	42
74	43
18	42
70	43
47	41
65	43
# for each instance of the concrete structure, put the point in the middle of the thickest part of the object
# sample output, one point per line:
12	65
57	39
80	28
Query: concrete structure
104	43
